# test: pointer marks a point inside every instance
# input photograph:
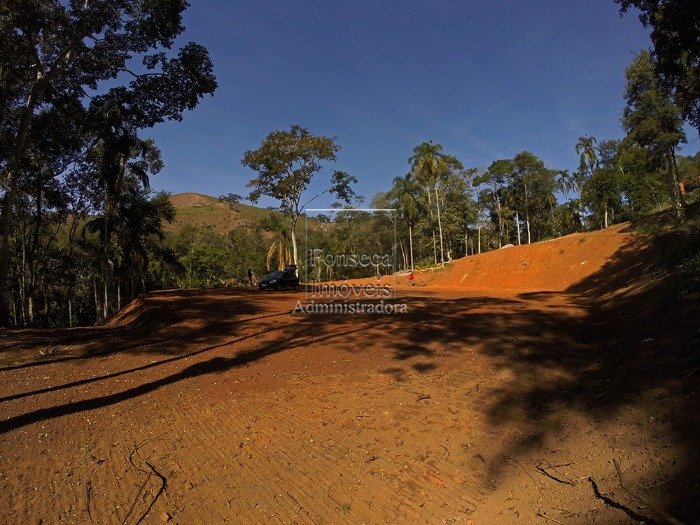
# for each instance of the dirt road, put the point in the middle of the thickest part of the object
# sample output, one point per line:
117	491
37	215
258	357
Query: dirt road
477	406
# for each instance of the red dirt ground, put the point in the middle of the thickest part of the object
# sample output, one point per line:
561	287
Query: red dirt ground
501	397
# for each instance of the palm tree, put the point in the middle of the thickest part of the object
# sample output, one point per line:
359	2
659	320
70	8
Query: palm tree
588	162
588	156
119	156
429	164
140	233
404	191
280	244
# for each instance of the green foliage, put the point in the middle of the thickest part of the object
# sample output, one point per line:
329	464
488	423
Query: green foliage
285	162
650	117
56	285
679	248
653	122
497	193
231	199
204	258
588	157
430	167
601	193
77	83
676	48
520	192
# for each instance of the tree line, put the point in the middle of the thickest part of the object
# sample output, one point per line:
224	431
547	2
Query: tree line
81	234
79	83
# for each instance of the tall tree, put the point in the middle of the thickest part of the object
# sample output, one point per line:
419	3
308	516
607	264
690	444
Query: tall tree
573	182
675	36
58	53
588	157
601	191
644	183
529	172
405	194
286	161
430	165
652	120
496	178
120	161
459	212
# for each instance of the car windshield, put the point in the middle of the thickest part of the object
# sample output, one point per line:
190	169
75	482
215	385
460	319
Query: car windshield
275	275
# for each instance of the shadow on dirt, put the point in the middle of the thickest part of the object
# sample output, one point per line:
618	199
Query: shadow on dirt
595	349
636	337
295	334
174	320
621	339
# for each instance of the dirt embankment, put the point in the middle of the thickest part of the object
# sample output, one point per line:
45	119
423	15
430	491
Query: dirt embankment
552	265
579	263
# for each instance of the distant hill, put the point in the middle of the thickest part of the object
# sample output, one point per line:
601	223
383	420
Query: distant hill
195	209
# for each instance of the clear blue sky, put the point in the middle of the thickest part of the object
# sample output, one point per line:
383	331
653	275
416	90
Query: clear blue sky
485	79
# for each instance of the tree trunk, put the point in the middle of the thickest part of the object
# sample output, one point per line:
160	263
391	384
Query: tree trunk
410	243
675	186
605	217
71	280
5	227
527	212
434	248
30	310
29	258
500	218
14	311
46	306
432	224
97	300
105	254
24	303
9	200
295	253
437	205
479	242
105	298
517	225
527	225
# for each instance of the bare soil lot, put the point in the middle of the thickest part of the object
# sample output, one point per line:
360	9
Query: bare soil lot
489	406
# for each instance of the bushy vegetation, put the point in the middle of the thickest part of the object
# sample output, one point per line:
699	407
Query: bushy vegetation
81	234
79	82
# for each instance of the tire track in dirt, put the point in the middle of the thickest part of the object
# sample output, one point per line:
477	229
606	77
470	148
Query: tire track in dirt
303	420
276	452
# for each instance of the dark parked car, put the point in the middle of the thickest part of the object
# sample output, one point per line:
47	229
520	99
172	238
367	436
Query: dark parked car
279	280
